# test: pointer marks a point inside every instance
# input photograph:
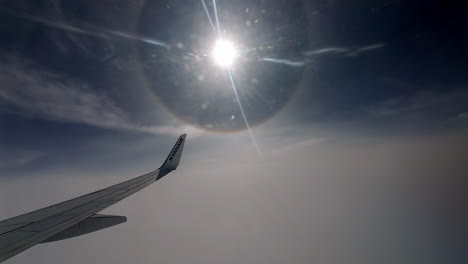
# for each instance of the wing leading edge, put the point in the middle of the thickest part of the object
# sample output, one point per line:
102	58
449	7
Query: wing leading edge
24	231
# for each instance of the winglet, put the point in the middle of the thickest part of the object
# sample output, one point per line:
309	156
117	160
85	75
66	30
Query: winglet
173	159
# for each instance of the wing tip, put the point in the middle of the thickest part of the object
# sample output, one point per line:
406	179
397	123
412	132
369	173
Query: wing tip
173	159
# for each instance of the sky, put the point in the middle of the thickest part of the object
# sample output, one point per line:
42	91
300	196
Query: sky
337	135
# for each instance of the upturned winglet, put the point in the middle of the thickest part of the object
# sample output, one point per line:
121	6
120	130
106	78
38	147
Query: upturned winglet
173	159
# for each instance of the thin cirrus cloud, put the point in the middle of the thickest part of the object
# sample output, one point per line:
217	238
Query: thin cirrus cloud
421	101
85	29
462	116
349	52
50	96
18	158
346	51
284	62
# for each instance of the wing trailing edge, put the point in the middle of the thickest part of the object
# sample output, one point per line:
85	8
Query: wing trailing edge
91	224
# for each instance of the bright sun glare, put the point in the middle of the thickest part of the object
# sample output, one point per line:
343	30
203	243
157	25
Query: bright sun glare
224	53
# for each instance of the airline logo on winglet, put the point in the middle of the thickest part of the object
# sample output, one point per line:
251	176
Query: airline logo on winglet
176	148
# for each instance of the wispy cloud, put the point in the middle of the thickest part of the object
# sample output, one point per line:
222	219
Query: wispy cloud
284	61
51	96
174	129
346	51
53	24
364	49
462	116
17	158
418	102
47	95
330	50
85	29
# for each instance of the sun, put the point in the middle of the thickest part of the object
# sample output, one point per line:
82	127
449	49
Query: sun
224	53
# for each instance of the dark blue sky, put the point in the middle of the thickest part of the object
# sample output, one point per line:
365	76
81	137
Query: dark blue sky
359	109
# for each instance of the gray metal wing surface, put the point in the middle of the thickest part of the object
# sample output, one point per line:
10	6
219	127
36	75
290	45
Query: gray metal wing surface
24	231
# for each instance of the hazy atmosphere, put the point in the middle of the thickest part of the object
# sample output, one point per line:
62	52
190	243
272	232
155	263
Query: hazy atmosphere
317	131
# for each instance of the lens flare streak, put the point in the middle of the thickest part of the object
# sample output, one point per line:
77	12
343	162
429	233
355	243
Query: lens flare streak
254	141
208	15
217	18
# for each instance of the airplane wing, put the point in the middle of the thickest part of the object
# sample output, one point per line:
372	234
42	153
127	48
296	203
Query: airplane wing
76	216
